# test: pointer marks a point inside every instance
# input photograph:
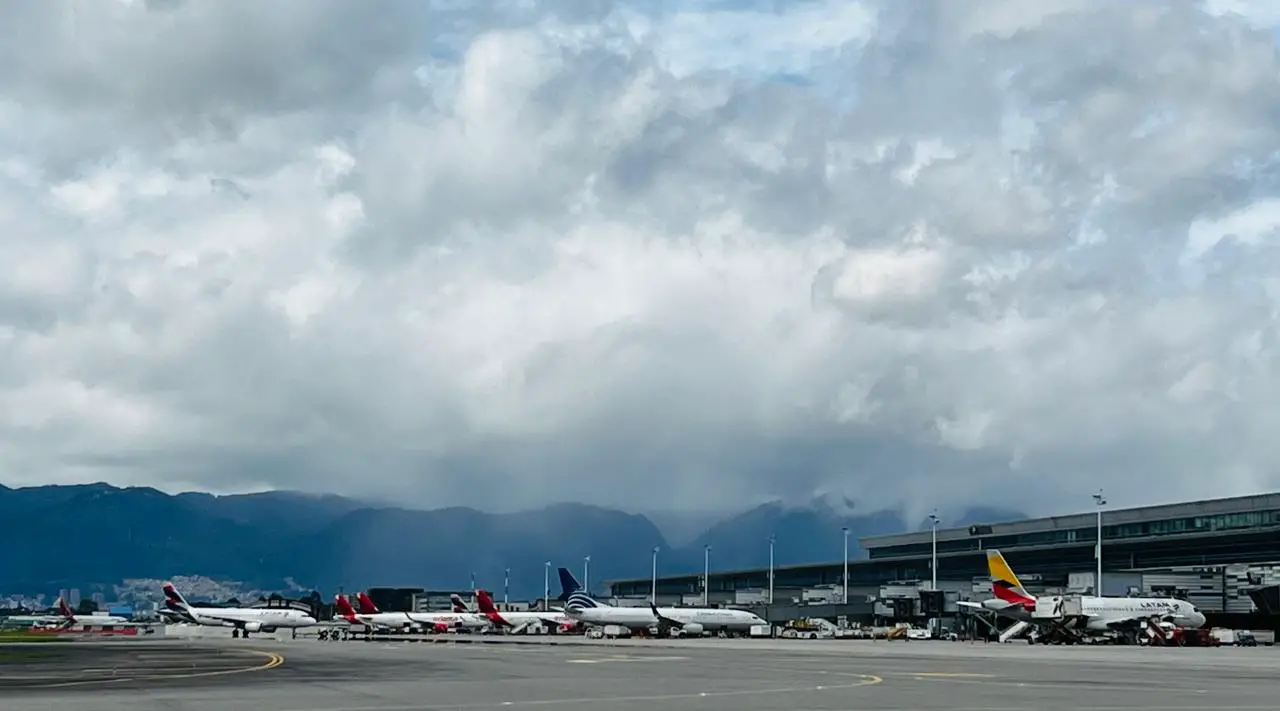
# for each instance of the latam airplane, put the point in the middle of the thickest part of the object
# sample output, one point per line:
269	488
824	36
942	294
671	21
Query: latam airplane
244	619
550	620
93	618
1098	614
439	621
65	617
692	621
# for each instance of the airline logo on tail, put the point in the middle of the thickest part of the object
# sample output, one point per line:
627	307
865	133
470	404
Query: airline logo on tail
458	605
345	610
1005	584
366	604
174	602
571	592
489	610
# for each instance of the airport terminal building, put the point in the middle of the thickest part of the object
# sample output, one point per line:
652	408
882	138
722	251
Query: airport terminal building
1207	549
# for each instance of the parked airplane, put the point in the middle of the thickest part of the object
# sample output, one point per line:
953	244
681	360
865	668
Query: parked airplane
94	618
244	619
549	619
459	605
64	617
388	621
439	621
1098	614
686	620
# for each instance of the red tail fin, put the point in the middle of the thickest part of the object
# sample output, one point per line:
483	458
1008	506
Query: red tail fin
488	609
341	602
366	605
64	610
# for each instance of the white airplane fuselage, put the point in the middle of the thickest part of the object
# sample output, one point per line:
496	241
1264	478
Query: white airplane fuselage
711	618
262	617
1104	612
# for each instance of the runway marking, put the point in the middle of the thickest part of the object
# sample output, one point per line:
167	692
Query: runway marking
273	660
949	675
867	680
607	660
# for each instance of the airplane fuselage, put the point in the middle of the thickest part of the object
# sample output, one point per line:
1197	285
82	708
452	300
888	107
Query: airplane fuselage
711	618
265	617
1105	612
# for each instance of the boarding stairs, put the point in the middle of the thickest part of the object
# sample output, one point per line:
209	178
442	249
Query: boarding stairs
1014	630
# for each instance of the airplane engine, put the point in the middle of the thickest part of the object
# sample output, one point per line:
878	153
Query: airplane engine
692	629
253	627
442	627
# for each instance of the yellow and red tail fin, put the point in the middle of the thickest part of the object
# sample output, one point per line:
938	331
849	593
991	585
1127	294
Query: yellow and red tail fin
1004	583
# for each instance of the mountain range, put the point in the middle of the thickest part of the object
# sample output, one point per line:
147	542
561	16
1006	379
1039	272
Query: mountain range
93	536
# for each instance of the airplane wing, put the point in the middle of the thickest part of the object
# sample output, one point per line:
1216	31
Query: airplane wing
233	621
665	624
973	605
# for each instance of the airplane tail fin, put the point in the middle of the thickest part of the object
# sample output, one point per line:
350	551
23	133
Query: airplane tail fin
458	604
568	584
65	610
1004	583
366	605
174	599
572	593
344	607
485	602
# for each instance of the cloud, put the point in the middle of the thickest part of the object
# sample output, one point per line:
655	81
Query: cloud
491	254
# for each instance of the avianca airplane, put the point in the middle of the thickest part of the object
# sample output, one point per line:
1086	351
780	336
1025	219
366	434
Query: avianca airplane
1099	614
439	621
687	620
243	619
550	620
373	620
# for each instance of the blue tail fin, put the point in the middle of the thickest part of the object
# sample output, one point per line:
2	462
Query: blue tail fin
568	585
574	597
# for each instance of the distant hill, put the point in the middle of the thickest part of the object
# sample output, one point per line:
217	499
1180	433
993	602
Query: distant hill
94	535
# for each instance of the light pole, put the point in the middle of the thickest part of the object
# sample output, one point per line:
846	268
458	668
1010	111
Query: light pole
933	557
706	572
933	568
773	538
844	595
653	589
473	582
586	575
506	587
1097	581
546	586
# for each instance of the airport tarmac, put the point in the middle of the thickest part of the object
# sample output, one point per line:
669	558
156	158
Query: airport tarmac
661	675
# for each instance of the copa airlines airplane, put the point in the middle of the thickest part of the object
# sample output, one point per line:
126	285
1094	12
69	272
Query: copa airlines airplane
550	620
1098	614
691	621
243	619
438	621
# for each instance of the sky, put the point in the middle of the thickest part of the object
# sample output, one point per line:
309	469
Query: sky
508	253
